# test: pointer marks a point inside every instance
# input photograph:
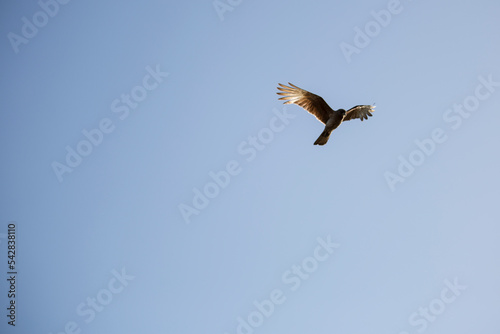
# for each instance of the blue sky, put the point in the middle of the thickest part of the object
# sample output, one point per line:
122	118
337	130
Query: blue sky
158	185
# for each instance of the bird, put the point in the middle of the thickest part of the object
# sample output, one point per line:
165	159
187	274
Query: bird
316	106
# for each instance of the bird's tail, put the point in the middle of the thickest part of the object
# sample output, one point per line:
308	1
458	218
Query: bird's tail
322	139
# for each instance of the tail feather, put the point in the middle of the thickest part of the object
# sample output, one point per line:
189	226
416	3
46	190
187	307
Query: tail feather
322	139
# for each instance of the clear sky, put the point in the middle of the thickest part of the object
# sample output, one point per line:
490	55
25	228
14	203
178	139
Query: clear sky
157	185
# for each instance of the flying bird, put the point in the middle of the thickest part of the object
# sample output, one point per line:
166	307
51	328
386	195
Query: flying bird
315	105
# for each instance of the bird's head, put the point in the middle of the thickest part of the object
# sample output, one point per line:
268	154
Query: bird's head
342	112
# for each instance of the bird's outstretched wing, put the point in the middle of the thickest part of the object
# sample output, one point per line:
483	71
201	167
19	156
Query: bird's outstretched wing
361	112
313	103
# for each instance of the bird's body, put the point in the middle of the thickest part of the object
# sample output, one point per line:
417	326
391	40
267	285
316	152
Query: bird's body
315	105
335	118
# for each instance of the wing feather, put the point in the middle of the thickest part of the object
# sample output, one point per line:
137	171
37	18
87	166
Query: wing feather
362	112
313	103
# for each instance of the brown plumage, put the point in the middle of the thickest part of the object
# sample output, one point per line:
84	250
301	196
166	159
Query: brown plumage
315	105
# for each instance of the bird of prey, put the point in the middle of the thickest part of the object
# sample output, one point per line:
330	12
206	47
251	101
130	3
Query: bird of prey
315	105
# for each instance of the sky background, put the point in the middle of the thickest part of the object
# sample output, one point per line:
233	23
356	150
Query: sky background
118	212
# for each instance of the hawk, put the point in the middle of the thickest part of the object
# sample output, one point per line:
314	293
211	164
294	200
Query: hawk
315	105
